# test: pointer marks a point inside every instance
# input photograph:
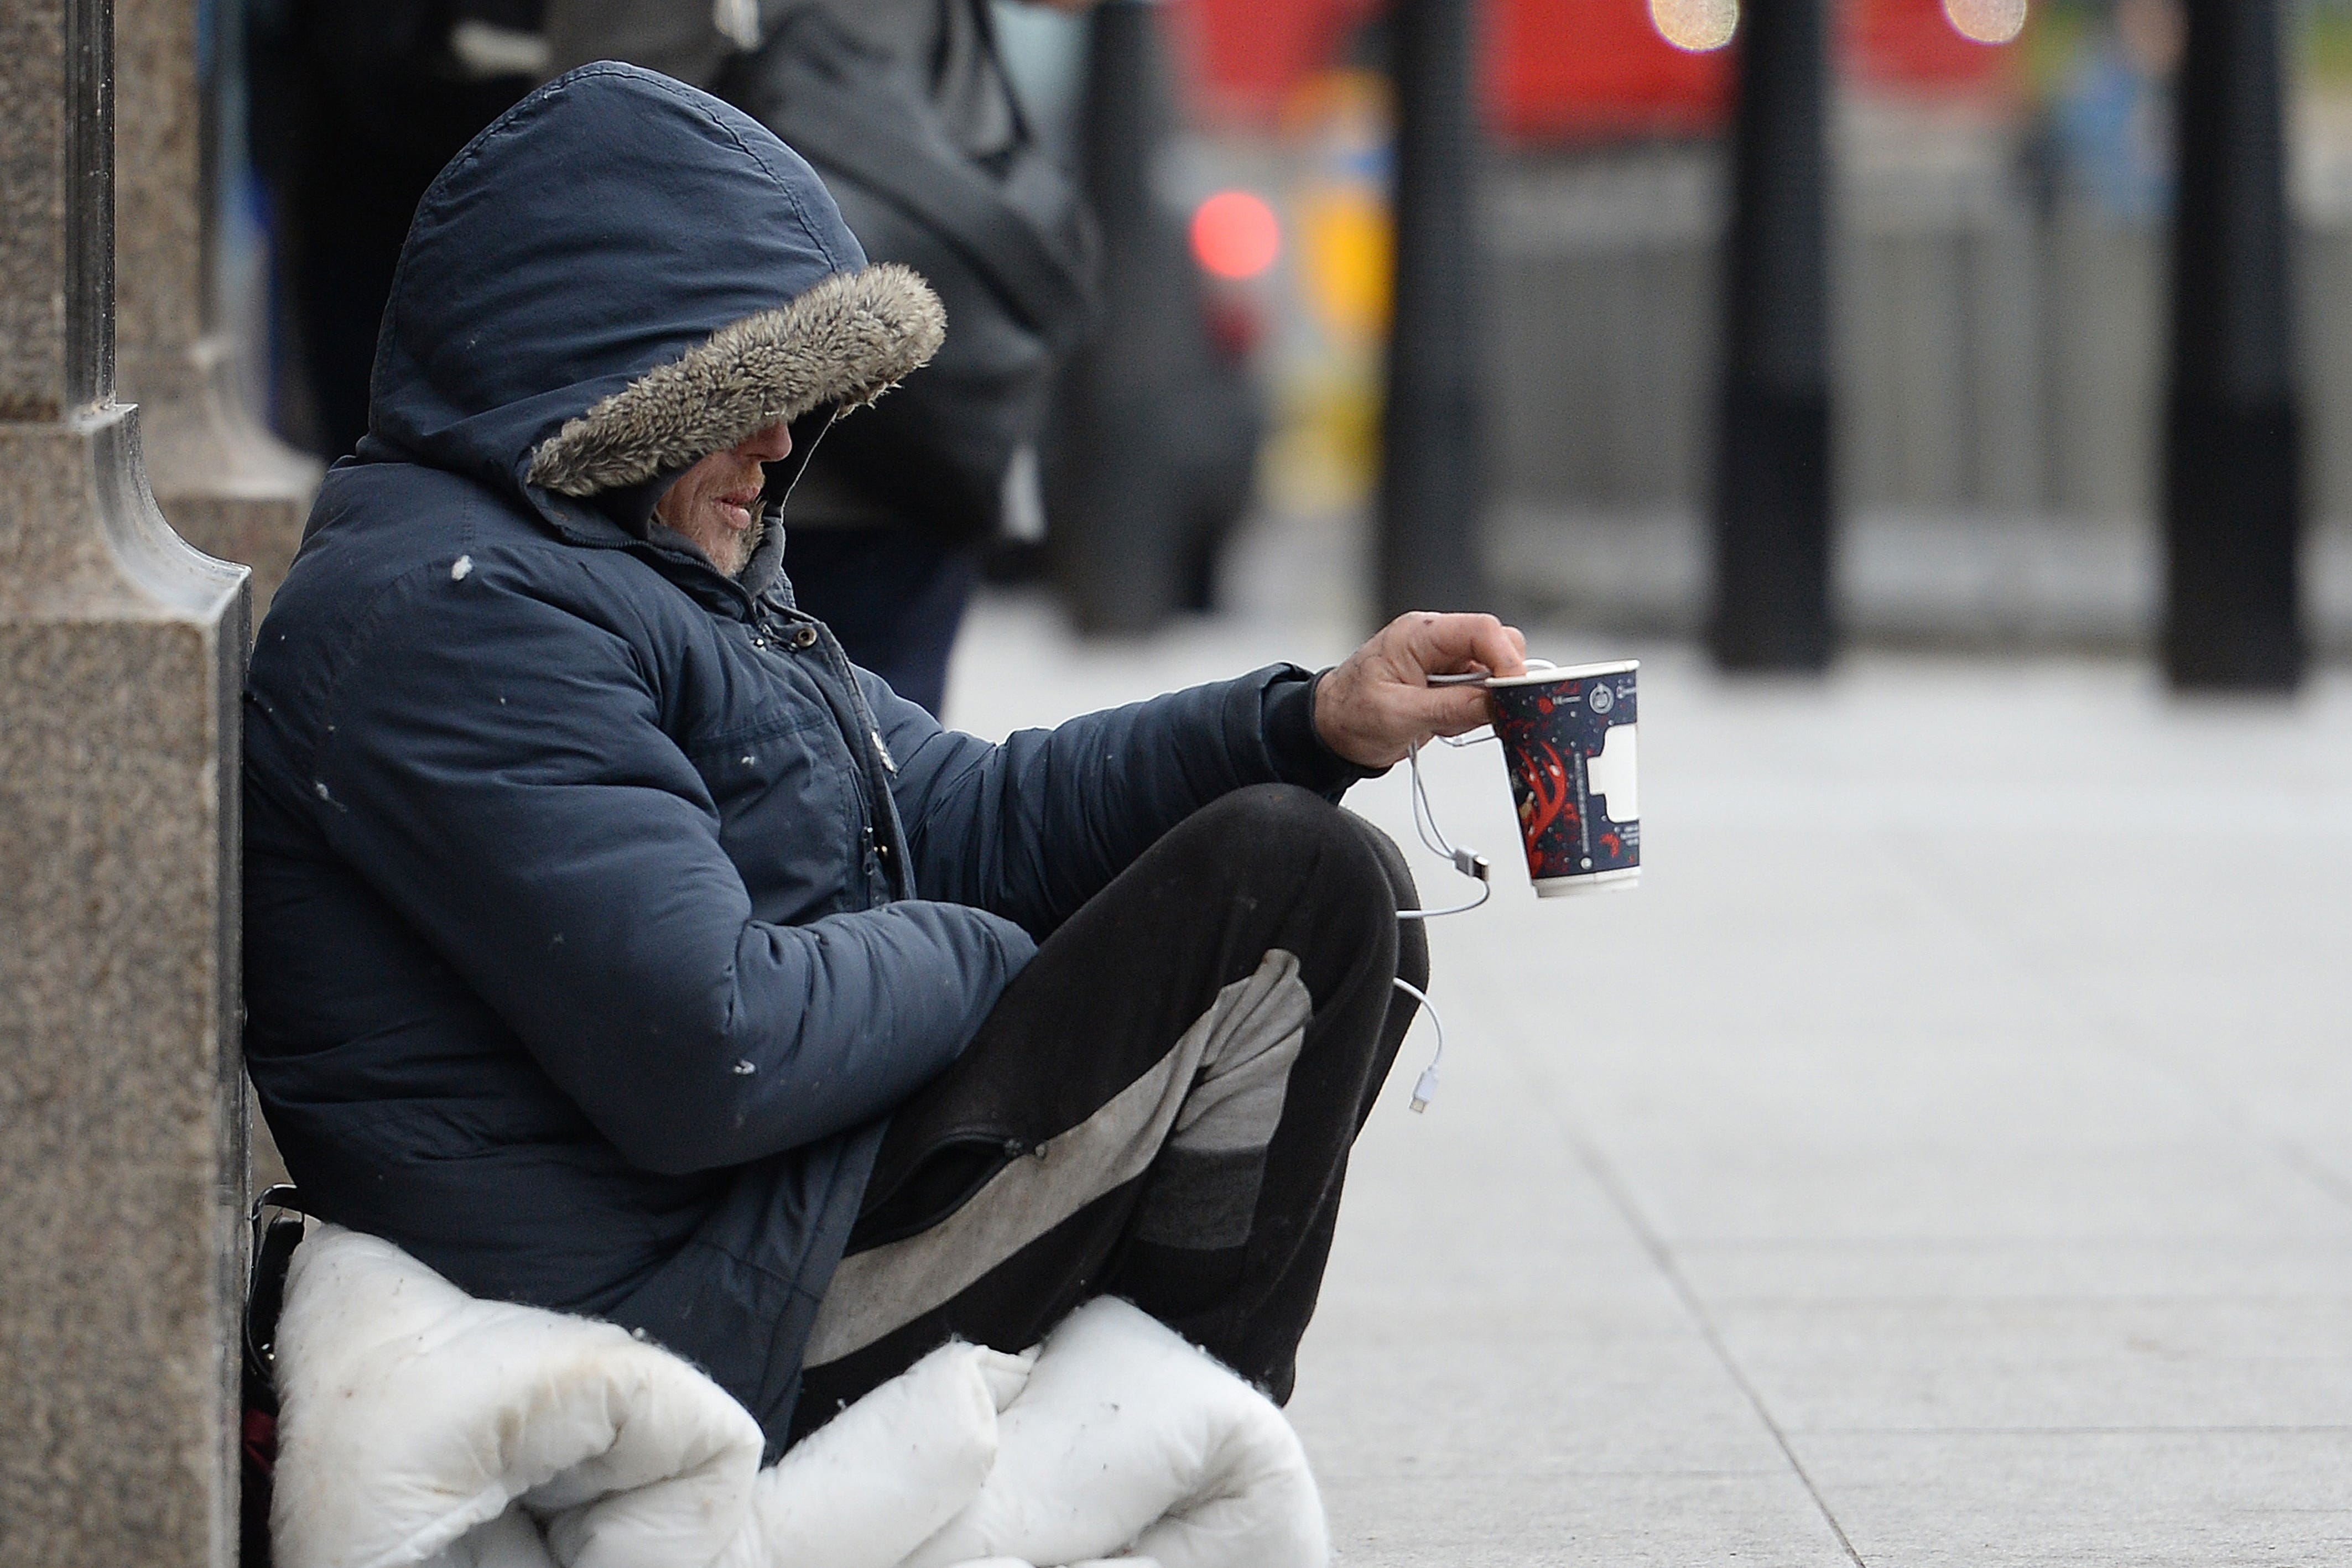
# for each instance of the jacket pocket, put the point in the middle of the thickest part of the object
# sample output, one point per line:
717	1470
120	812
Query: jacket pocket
789	818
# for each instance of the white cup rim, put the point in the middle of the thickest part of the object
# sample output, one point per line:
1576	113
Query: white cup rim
1546	676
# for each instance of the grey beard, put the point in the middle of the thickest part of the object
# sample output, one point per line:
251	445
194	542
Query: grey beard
752	536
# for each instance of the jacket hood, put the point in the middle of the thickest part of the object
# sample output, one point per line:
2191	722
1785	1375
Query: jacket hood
619	277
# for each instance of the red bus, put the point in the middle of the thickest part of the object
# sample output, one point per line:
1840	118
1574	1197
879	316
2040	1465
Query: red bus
1574	70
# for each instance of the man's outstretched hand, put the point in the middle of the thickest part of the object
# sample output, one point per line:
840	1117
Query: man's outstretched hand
1379	704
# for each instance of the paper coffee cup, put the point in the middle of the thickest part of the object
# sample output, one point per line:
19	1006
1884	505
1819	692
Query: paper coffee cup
1569	738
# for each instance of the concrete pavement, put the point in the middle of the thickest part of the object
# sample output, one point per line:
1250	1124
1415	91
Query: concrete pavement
1945	1158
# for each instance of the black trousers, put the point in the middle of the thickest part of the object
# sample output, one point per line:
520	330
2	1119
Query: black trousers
1160	1108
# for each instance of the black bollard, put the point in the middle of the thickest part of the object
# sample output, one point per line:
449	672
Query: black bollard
2232	481
1773	497
1118	546
1109	520
1433	462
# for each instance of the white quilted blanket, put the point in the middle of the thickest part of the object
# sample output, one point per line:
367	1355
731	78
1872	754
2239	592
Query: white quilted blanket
422	1429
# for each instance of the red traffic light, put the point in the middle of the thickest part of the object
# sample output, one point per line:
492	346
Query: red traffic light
1235	235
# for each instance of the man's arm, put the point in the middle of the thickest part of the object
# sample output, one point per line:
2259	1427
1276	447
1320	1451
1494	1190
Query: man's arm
497	771
1034	827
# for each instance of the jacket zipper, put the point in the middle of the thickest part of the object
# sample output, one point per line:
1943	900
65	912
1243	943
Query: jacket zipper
879	824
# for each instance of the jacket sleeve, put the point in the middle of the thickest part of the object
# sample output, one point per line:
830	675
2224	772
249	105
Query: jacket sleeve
1033	827
496	770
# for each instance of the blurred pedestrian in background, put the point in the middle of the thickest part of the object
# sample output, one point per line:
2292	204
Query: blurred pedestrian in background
356	105
904	109
2114	117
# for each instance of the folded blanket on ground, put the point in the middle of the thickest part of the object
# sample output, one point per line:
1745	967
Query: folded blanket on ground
422	1429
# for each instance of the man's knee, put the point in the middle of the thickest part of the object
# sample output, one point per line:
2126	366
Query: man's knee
1272	813
1413	936
1281	831
1404	892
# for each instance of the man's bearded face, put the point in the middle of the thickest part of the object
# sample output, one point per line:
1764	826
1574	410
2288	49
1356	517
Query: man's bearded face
716	502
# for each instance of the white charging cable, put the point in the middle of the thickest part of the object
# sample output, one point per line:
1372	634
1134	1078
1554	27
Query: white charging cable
1427	1090
1470	863
1466	861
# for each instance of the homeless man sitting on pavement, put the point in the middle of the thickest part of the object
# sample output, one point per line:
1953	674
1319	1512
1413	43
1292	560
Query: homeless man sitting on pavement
613	944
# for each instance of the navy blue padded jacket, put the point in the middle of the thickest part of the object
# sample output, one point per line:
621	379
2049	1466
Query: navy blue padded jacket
597	910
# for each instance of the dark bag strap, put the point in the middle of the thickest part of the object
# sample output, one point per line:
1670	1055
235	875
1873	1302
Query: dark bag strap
278	1228
844	111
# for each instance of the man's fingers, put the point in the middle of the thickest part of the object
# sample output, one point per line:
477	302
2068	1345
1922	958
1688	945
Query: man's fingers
1445	710
1376	705
1444	644
1505	651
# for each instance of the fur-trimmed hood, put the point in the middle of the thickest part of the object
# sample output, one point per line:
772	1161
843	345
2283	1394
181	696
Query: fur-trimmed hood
619	277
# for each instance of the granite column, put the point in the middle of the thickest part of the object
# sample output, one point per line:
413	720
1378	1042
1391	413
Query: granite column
122	1105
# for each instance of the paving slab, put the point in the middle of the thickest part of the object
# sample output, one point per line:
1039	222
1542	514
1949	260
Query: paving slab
1948	1191
2117	1500
2047	1364
1739	1273
1512	1517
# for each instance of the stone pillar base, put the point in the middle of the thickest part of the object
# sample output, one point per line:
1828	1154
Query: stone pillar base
225	485
122	1120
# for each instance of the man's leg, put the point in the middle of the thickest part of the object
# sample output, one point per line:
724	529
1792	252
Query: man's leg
1160	1108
